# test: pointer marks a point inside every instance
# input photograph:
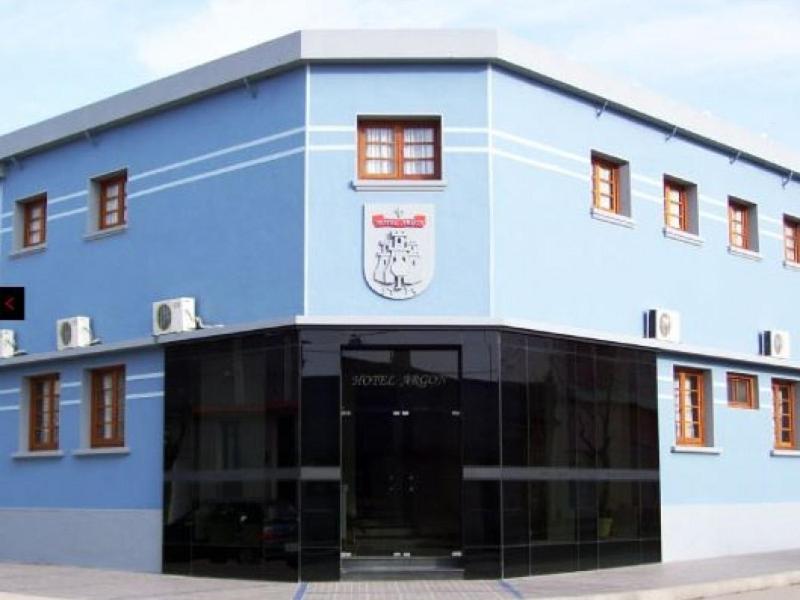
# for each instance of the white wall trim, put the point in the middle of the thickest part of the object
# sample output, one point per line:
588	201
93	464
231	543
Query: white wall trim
665	348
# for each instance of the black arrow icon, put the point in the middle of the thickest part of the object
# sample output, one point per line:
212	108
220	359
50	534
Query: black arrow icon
12	303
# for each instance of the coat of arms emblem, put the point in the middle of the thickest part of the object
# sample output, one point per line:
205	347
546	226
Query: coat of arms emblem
398	249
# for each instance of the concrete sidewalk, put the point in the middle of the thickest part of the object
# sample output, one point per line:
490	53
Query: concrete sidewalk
672	581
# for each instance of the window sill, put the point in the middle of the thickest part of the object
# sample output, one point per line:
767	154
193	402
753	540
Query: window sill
103	233
399	185
785	453
29	250
696	450
38	454
744	253
613	218
101	451
683	236
791	265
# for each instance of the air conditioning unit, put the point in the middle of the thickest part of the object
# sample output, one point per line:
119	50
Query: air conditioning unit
74	332
775	344
174	316
664	325
8	343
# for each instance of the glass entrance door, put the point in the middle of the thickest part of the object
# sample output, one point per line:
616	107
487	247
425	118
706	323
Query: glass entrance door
401	452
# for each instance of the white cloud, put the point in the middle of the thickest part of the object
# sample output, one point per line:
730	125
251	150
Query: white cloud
714	36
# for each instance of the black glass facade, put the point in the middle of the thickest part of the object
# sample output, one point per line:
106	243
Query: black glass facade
517	453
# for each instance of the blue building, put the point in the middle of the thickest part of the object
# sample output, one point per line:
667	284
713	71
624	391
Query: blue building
408	300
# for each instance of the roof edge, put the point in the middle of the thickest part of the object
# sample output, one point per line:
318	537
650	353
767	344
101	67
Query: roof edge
398	45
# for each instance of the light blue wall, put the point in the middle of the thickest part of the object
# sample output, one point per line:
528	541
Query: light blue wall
744	471
125	481
557	264
339	94
215	212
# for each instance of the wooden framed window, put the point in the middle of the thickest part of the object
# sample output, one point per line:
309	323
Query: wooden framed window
112	202
409	149
690	425
783	394
739	225
107	407
741	390
34	222
605	185
43	412
676	205
791	239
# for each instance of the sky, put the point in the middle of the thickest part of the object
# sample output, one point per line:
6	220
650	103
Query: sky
734	59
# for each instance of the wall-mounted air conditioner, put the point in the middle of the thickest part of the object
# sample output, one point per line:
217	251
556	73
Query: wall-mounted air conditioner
174	316
74	332
8	343
776	344
663	325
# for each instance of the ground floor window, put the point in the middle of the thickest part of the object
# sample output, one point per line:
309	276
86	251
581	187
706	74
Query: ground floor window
108	407
43	412
784	413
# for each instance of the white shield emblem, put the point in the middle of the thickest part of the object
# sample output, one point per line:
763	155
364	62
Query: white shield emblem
398	248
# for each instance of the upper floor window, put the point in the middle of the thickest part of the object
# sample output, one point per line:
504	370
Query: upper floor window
610	185
605	175
791	239
34	221
43	412
407	149
741	390
783	393
742	225
108	206
107	421
112	202
690	410
680	205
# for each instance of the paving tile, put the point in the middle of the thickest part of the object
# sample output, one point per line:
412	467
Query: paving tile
75	583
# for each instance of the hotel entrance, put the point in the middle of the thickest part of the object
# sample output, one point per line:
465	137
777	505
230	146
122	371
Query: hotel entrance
401	454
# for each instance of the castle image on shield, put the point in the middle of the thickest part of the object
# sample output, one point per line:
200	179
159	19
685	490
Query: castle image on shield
399	264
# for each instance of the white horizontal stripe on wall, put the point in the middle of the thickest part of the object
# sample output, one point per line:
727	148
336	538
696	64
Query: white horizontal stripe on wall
9	407
70	402
586	160
716	218
52	201
70	384
541	165
710	200
772	234
332	148
465	149
153	375
213	173
466	130
771	220
9	391
331	128
144	395
648	197
647	180
69	213
221	152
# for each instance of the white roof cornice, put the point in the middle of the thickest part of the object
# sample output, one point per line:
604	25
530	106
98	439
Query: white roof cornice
401	45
